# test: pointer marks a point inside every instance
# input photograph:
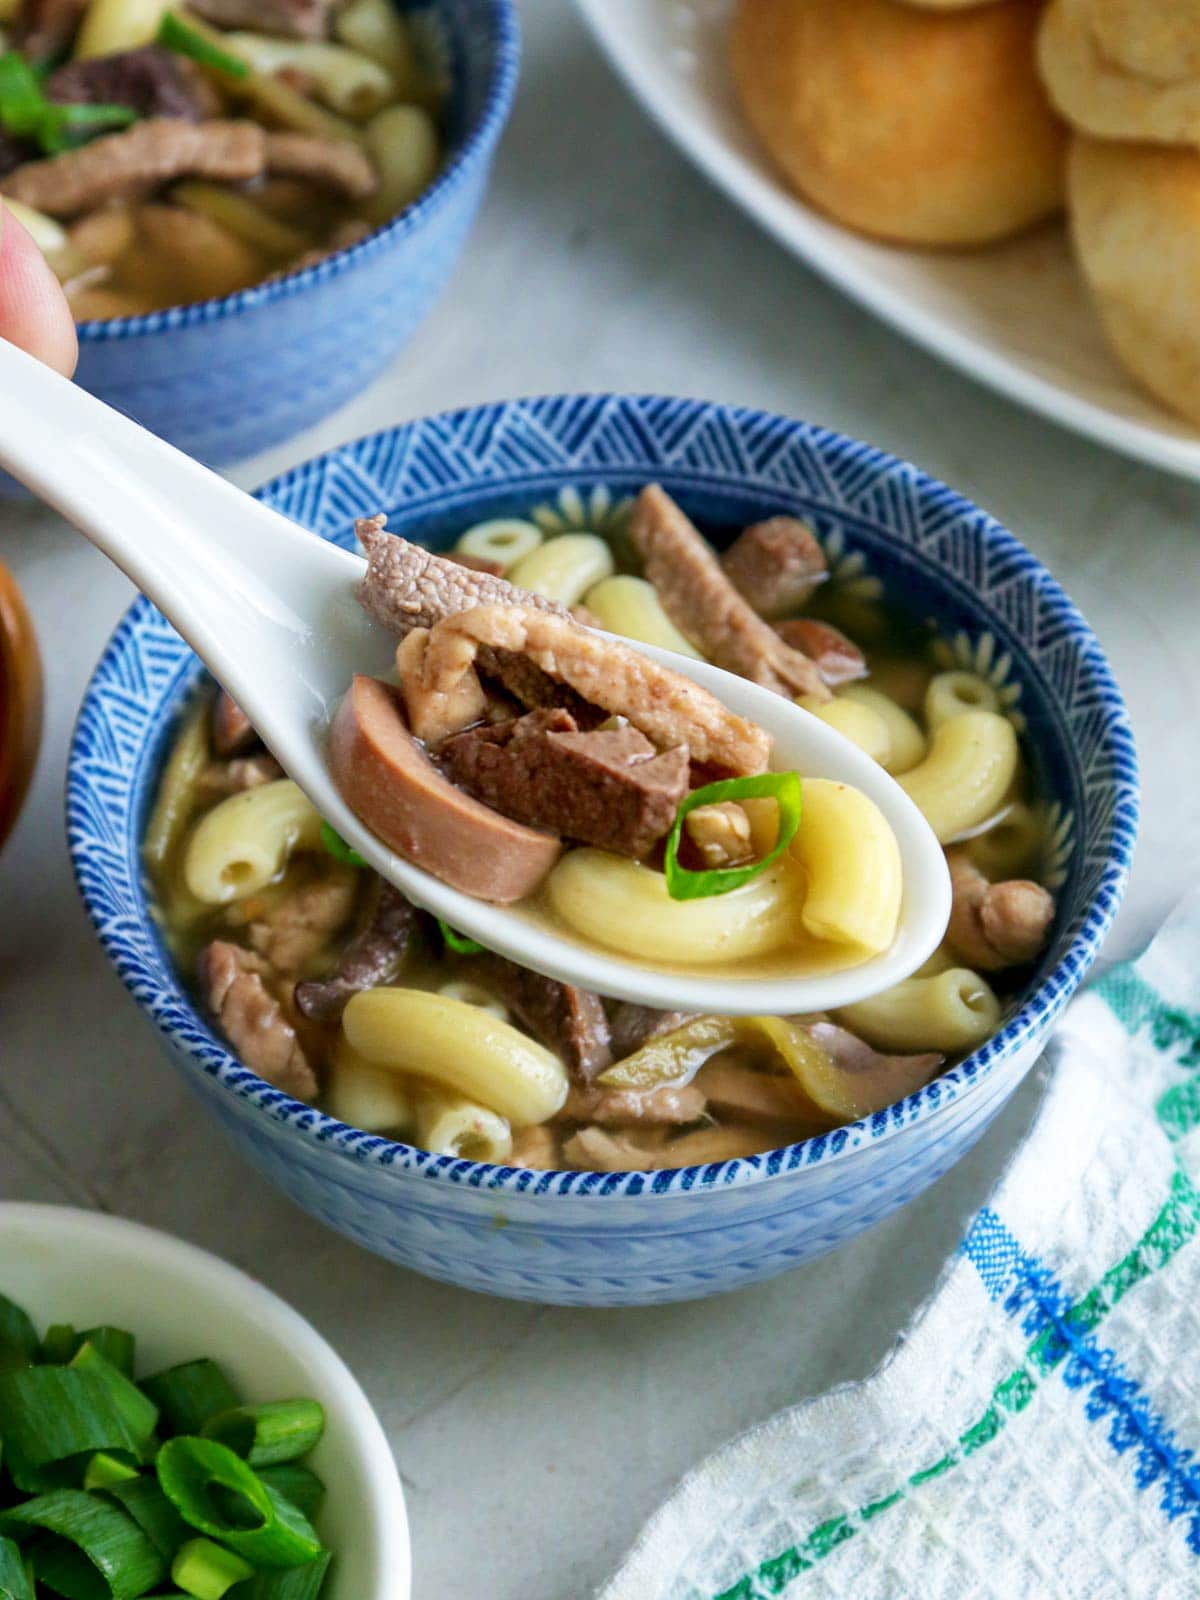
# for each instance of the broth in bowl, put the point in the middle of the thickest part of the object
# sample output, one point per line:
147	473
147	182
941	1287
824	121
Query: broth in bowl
330	986
162	156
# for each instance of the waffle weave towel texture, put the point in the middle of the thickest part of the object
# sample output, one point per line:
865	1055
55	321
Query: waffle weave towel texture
1035	1433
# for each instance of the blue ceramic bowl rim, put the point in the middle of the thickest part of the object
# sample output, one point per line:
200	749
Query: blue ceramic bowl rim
476	145
173	1013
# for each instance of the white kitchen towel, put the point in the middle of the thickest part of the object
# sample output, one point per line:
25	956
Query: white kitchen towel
1035	1431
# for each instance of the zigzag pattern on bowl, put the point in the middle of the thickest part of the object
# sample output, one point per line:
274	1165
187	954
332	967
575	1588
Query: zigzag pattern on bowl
594	1238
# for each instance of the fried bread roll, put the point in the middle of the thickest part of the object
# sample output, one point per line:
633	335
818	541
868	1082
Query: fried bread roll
1124	69
1135	217
926	126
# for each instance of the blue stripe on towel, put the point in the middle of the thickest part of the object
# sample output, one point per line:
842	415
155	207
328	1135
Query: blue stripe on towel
1028	1288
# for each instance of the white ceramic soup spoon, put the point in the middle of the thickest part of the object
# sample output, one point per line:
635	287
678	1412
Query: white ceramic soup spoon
272	611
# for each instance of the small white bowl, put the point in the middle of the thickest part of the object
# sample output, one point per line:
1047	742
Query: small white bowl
65	1265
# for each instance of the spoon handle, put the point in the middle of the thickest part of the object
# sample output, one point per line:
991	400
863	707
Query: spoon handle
215	562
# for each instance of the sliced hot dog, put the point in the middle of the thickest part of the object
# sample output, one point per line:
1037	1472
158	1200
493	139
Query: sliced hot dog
391	785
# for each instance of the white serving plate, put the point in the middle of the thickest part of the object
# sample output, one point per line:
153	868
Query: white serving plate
82	1267
1016	317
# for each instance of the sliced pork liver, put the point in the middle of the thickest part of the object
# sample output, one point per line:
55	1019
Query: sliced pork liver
671	1105
609	788
44	29
234	983
153	81
567	1020
633	1025
373	957
292	19
232	731
137	160
407	587
775	565
290	932
667	707
13	152
702	602
333	164
838	659
242	772
390	783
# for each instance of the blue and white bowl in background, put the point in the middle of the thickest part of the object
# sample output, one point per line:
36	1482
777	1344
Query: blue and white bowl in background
605	1239
224	379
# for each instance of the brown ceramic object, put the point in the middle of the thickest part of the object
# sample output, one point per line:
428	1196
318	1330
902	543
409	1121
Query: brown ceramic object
20	701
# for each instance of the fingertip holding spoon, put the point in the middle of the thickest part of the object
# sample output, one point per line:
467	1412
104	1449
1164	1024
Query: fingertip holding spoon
272	612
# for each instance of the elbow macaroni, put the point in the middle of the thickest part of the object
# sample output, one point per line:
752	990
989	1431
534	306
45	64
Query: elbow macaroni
852	870
112	26
48	234
404	144
459	1047
859	723
287	107
474	994
376	29
504	540
953	1013
349	83
365	1096
176	790
564	569
631	607
906	742
242	844
968	770
951	693
448	1125
624	906
242	217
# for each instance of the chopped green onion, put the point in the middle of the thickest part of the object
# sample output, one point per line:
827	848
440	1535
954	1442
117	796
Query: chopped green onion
48	1414
154	1514
58	123
22	103
139	1413
60	1344
18	1336
105	1470
339	849
189	1394
114	1514
266	1435
25	111
458	942
94	115
300	1583
98	1538
783	787
15	1580
207	1571
298	1484
175	34
114	1344
190	1470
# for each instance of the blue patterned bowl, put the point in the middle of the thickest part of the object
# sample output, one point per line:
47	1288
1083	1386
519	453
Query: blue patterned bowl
226	378
606	1239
